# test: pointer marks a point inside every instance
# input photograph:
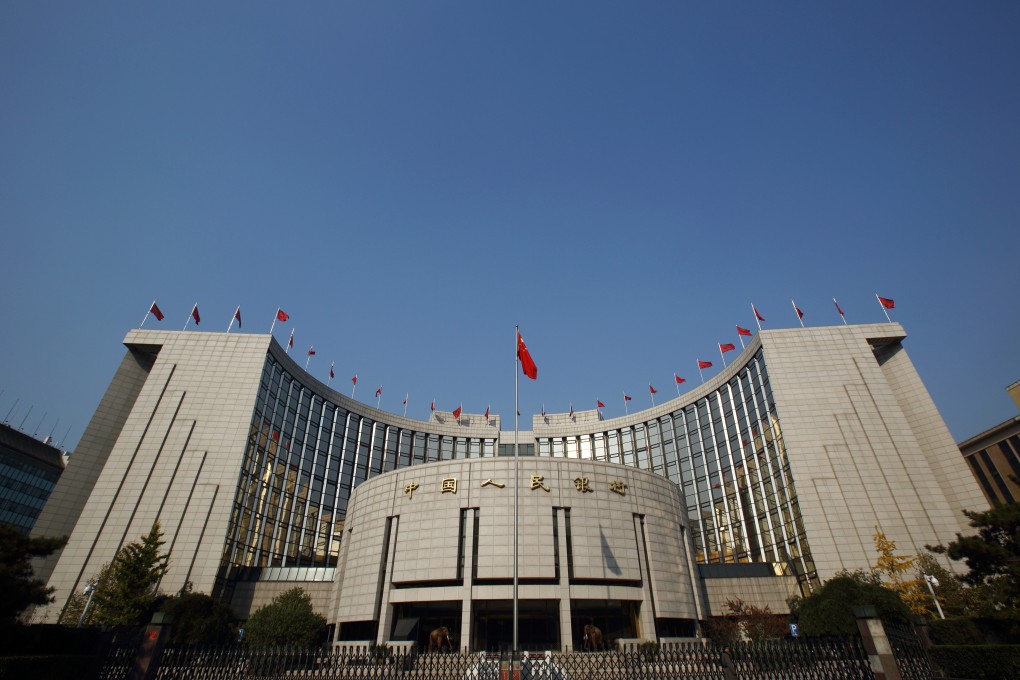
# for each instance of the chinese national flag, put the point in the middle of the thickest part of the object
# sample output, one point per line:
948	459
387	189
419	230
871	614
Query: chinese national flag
456	412
486	412
378	391
290	343
281	315
198	319
838	308
331	375
354	380
726	347
626	397
433	407
311	351
756	314
527	363
155	312
678	379
237	315
600	404
743	331
704	364
887	302
800	314
572	410
652	390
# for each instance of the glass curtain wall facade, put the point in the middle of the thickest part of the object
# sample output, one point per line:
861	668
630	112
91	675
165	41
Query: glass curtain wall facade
726	453
303	457
305	454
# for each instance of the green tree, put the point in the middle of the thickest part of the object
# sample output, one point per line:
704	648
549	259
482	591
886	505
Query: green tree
830	609
130	593
992	555
199	619
900	575
77	601
288	620
956	598
18	584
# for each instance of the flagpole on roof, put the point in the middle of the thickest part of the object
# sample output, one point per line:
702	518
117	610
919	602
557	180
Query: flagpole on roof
328	381
378	396
701	372
721	355
651	393
195	308
676	382
517	471
625	411
885	309
756	319
275	317
290	342
147	312
796	310
237	313
406	395
354	381
840	310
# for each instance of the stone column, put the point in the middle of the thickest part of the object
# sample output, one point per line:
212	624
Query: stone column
876	644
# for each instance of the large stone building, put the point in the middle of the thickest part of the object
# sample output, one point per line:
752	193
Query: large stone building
994	457
760	483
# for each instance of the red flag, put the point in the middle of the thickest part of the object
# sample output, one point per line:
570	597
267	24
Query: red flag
155	312
726	347
704	364
756	314
800	314
331	371
354	380
626	397
652	390
743	331
281	315
237	315
543	410
486	412
195	316
678	379
600	404
838	309
457	412
527	363
887	302
405	400
572	410
378	391
311	351
433	407
290	343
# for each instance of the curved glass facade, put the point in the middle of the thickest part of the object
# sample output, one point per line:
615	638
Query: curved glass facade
305	453
726	453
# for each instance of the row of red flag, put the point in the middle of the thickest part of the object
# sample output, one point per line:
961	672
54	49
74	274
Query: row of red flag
527	363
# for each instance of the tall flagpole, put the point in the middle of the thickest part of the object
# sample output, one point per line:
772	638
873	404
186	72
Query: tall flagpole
701	372
756	320
277	316
625	411
354	380
406	395
196	307
677	383
517	471
330	373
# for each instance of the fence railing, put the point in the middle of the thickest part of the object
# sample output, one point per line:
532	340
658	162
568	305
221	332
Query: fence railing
808	659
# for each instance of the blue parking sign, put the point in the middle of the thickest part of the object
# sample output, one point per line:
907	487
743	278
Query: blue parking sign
793	630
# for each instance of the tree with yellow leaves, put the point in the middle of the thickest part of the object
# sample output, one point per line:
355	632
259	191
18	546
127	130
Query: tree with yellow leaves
897	571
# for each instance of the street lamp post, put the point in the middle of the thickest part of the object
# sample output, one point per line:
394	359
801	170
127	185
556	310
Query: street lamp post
89	590
930	581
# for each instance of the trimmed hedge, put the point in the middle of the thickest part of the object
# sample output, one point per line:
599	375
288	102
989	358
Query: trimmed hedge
955	632
50	667
980	662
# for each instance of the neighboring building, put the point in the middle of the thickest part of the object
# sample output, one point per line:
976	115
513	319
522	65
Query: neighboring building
782	466
994	457
29	469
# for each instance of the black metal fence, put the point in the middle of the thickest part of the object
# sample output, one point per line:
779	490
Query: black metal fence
807	659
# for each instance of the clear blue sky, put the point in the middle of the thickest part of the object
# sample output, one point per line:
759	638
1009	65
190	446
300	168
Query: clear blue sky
409	180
